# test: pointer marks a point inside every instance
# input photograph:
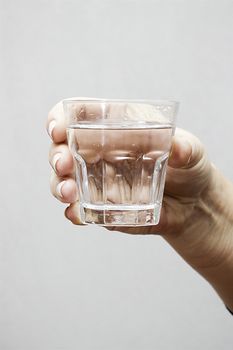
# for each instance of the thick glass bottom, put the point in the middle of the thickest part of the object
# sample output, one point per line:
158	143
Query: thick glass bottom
120	215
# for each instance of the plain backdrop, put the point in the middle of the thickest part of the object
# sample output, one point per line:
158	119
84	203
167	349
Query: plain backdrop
69	287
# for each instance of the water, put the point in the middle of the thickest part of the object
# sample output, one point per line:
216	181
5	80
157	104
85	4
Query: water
120	171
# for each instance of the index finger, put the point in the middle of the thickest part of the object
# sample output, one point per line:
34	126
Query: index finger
57	123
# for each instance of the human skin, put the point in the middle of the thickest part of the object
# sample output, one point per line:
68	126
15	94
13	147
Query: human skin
197	212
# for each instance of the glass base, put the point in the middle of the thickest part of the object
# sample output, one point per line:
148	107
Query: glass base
120	215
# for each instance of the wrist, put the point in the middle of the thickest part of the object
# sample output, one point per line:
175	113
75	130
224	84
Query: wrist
217	204
206	239
206	242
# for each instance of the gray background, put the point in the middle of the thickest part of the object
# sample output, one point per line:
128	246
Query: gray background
69	287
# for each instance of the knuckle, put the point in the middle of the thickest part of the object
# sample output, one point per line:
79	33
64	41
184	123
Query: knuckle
51	151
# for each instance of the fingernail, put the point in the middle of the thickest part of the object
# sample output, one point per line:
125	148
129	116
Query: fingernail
51	127
188	148
73	217
171	152
55	160
59	188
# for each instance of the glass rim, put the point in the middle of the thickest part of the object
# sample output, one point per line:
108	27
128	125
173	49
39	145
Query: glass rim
166	102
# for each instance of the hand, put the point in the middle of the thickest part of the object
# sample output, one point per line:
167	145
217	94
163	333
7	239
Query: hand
196	216
188	176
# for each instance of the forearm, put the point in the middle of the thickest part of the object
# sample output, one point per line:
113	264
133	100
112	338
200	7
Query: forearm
207	242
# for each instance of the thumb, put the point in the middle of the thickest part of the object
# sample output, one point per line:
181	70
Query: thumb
186	150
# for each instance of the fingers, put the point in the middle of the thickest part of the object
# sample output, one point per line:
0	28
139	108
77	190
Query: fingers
72	213
56	124
186	150
65	190
61	160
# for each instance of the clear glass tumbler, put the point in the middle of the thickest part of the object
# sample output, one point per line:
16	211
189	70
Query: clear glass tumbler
121	149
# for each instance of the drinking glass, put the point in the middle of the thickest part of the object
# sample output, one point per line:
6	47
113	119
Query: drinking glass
120	149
